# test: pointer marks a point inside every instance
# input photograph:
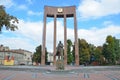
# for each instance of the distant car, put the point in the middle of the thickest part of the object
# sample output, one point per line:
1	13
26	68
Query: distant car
22	64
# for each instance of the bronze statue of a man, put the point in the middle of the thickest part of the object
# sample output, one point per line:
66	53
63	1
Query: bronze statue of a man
59	50
60	62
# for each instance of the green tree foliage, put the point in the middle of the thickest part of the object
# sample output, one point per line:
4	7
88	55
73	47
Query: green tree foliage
46	55
37	55
73	53
69	52
92	52
109	50
91	48
117	49
7	20
105	51
84	53
98	54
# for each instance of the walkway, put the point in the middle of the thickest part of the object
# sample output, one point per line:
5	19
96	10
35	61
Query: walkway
99	74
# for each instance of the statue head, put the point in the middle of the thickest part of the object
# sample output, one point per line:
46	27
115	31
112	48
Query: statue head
59	41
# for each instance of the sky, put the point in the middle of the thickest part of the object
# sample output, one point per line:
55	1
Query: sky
96	19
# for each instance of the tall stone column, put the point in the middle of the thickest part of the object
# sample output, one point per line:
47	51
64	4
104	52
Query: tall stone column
76	41
43	42
65	41
54	48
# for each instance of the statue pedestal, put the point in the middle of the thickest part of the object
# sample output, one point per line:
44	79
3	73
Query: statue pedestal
59	65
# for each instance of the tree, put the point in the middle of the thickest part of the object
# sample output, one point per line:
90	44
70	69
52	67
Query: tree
98	54
92	48
69	52
117	49
46	56
7	20
109	50
37	54
92	52
84	53
73	53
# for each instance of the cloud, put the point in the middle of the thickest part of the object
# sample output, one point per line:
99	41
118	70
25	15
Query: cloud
10	3
97	36
29	35
17	43
34	13
107	23
31	30
29	1
7	3
98	8
22	7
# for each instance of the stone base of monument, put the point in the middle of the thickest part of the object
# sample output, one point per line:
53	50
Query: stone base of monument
60	70
59	65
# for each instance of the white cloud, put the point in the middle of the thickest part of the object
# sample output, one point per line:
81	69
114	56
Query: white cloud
98	36
17	43
29	1
107	23
32	30
22	7
98	8
29	35
34	13
7	3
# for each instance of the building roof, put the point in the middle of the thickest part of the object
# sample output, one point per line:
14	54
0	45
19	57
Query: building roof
19	51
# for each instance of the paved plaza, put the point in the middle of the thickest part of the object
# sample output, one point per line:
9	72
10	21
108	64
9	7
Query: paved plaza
48	73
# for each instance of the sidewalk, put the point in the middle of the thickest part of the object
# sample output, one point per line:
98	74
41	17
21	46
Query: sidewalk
22	75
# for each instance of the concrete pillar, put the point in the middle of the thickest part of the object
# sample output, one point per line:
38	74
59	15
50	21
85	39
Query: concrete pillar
65	41
43	42
76	41
54	48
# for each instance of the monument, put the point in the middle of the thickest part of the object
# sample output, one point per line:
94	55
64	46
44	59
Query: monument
60	12
60	62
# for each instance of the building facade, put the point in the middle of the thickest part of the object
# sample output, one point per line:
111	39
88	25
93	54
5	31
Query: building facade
20	56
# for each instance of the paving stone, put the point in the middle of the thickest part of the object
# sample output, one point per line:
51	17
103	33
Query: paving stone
71	73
